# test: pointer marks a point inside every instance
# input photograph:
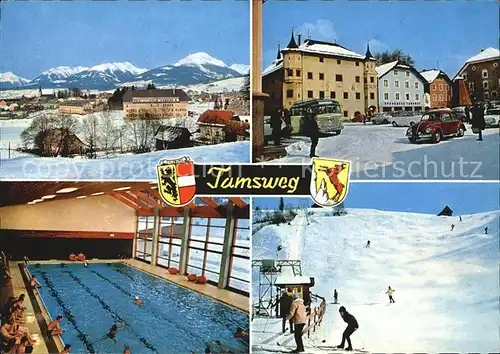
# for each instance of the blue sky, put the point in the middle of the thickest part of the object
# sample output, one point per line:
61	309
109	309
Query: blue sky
448	31
427	198
38	35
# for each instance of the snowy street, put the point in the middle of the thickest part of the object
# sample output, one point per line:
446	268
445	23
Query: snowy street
384	152
446	282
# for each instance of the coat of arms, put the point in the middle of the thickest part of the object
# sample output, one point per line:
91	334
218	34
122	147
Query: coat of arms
329	181
176	181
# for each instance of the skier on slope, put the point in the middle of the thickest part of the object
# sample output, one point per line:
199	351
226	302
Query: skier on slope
352	325
368	244
460	218
389	292
335	296
486	230
452	227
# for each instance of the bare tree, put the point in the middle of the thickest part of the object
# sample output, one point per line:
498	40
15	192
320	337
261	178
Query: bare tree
90	134
142	132
67	126
110	133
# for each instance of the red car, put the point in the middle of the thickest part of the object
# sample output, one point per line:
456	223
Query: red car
435	125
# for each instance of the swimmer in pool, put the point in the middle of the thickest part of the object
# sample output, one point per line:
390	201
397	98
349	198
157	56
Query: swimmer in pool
137	301
113	331
126	350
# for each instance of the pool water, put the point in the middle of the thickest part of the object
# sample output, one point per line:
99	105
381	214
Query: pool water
172	319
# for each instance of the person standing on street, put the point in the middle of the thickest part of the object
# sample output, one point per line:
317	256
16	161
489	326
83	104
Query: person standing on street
313	132
298	313
478	123
335	296
276	126
285	307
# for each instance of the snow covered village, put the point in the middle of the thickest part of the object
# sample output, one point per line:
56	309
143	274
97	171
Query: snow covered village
384	100
412	277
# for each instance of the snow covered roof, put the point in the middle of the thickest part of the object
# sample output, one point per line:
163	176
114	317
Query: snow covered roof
385	68
430	75
276	65
487	54
292	280
326	48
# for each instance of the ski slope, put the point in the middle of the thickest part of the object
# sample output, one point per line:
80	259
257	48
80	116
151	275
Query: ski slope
446	281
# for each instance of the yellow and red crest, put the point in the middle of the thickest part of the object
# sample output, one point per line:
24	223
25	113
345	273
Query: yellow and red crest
329	181
176	181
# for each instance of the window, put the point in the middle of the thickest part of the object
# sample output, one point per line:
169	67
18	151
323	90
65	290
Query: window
339	61
416	85
365	80
206	240
465	76
440	97
144	242
321	94
297	72
485	85
289	72
289	93
309	94
372	96
434	97
396	83
386	83
495	65
433	87
473	68
486	95
310	75
396	73
417	96
407	84
346	113
346	95
440	87
446	117
485	74
338	77
494	95
407	73
332	95
396	95
357	63
238	273
372	79
169	241
358	95
321	76
386	96
407	96
358	79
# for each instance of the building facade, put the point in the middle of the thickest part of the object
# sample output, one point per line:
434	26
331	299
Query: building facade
315	70
75	107
482	75
155	104
401	88
439	88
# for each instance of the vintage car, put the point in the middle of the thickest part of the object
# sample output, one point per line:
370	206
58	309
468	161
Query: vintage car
381	118
435	125
492	117
404	119
328	114
460	112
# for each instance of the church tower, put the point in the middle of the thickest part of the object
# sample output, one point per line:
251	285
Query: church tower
370	82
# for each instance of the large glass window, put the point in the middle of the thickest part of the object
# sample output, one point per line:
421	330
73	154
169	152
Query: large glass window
239	273
144	238
169	241
206	241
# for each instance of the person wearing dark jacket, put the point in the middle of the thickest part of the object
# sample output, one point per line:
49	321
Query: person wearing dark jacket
313	132
276	126
352	325
467	113
478	120
285	305
288	121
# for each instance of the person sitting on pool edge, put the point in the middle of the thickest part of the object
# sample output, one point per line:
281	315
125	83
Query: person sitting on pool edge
67	349
34	283
137	301
54	328
81	257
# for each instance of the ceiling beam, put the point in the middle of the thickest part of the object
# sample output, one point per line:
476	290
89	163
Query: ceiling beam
142	202
148	199
157	195
125	201
238	201
134	199
210	202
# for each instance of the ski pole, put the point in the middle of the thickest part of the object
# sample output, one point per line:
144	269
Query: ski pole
361	339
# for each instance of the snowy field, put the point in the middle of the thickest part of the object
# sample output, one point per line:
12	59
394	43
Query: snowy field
446	282
130	167
383	151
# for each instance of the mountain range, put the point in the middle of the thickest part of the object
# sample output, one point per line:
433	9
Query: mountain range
197	68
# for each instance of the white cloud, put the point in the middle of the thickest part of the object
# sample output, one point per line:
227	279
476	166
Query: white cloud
377	46
321	30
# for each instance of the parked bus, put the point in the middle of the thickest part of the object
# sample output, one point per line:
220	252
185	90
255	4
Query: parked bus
327	111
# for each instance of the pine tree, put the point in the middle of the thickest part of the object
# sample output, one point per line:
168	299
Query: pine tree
282	204
245	89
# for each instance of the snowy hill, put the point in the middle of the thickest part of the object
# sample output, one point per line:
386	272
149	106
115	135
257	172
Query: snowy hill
9	80
232	84
197	68
446	281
